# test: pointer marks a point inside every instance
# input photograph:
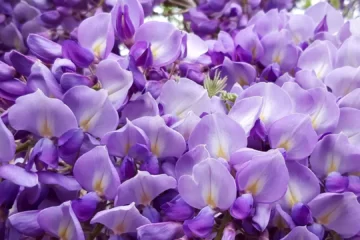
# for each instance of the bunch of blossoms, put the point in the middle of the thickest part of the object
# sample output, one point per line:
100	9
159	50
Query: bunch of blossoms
253	134
55	20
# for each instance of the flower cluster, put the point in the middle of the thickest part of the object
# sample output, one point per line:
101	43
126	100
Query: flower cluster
245	125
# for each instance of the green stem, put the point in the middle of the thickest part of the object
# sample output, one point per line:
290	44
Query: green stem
24	146
96	231
224	221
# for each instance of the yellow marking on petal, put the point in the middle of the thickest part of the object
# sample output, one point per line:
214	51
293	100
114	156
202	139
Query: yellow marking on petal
262	117
98	187
155	51
45	129
210	201
313	123
155	149
63	234
221	153
292	198
253	52
277	59
254	188
119	229
85	124
325	219
97	47
332	167
127	147
145	199
285	144
242	81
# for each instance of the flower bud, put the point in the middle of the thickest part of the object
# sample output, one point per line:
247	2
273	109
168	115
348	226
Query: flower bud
301	214
177	210
242	206
82	57
201	225
336	183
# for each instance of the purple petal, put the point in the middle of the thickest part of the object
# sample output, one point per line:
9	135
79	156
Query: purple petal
85	207
144	105
122	219
61	66
201	225
217	131
247	39
46	152
21	63
336	183
242	206
186	125
278	49
97	35
82	57
26	223
43	48
211	184
325	112
246	112
301	214
350	100
295	134
42	78
178	98
299	233
343	80
276	102
115	80
50	117
70	80
261	217
126	18
195	47
265	177
60	221
103	178
338	212
319	56
7	143
333	153
334	18
160	231
302	188
244	155
348	124
185	164
119	142
143	188
302	100
165	41
51	178
177	210
160	135
301	28
11	37
237	72
70	142
307	79
18	175
6	72
92	109
348	54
